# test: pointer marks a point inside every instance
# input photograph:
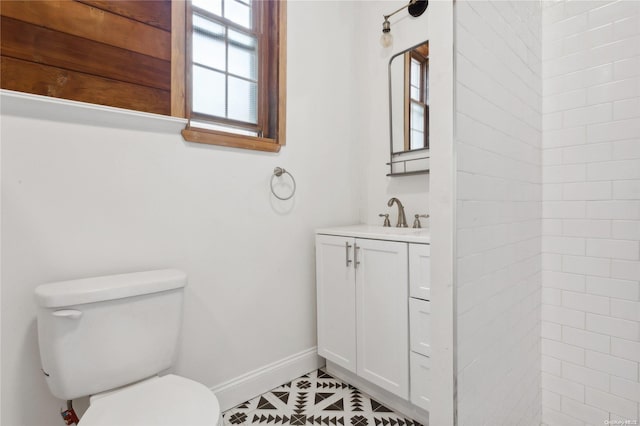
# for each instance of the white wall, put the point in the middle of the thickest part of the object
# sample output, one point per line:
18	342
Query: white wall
591	243
82	199
371	65
498	145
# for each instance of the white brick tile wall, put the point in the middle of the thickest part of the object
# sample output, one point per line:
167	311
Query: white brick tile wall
586	339
563	209
626	68
625	388
551	296
551	399
613	365
626	230
586	413
563	386
567	137
563	351
553	133
556	418
564	245
583	265
566	173
625	270
614	209
551	262
591	259
626	149
586	153
612	326
625	309
587	376
586	191
498	103
551	365
611	403
586	228
613	91
564	281
626	189
615	130
614	170
628	108
626	349
618	249
585	302
620	289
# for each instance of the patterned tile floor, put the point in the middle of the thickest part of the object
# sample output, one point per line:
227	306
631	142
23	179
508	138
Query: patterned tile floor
315	398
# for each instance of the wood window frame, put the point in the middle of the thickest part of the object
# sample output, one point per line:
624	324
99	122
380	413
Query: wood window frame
274	109
423	59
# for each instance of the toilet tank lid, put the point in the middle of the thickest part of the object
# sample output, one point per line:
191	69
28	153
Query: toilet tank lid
99	289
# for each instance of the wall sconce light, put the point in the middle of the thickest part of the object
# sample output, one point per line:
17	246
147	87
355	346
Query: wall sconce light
416	8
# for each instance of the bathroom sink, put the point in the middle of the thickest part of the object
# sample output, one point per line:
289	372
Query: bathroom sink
409	235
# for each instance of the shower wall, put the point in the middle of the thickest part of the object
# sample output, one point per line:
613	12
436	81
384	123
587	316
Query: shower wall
591	212
498	133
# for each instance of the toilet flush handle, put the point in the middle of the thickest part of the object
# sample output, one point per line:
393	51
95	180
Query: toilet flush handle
68	313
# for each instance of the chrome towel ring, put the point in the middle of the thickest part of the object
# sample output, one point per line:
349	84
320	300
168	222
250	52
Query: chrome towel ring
278	172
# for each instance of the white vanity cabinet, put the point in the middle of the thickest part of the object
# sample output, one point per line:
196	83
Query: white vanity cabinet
374	305
362	308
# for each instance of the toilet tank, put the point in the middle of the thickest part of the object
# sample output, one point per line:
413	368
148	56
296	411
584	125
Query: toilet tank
97	334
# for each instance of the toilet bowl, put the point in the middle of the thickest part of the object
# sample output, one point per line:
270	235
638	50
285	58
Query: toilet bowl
110	338
160	401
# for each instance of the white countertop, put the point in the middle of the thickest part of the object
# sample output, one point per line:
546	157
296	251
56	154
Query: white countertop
408	235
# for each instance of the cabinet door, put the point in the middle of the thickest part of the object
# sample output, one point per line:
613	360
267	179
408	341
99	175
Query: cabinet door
335	286
382	311
421	381
420	271
420	326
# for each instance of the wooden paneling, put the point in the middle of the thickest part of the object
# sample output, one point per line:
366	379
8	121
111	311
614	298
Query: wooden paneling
31	43
115	53
95	24
154	13
84	21
178	58
44	80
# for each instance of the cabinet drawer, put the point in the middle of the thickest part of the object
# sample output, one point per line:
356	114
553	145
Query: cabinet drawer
420	380
420	271
420	326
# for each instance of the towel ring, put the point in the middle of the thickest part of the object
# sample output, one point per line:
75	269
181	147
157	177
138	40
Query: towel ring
277	172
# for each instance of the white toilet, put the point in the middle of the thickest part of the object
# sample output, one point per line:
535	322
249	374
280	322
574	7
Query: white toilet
109	337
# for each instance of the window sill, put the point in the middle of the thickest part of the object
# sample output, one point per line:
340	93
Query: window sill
63	110
213	137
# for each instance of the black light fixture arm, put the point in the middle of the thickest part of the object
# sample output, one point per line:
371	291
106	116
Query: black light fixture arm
416	8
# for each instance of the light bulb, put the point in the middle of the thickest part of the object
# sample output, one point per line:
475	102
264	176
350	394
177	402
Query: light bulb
386	39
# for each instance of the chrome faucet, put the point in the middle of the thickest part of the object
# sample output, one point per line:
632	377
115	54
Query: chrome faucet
402	220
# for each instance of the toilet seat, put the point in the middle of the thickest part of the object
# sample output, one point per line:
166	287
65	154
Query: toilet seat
160	401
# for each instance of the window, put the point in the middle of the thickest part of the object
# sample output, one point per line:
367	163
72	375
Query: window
235	73
417	101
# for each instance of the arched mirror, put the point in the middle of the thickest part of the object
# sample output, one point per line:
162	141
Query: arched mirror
409	110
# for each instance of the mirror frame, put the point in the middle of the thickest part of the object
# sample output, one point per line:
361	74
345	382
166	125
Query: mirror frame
394	157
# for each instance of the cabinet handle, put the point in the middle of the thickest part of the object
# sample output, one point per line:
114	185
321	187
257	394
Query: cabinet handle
355	256
347	246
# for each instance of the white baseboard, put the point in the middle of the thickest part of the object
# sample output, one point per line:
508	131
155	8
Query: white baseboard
261	380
